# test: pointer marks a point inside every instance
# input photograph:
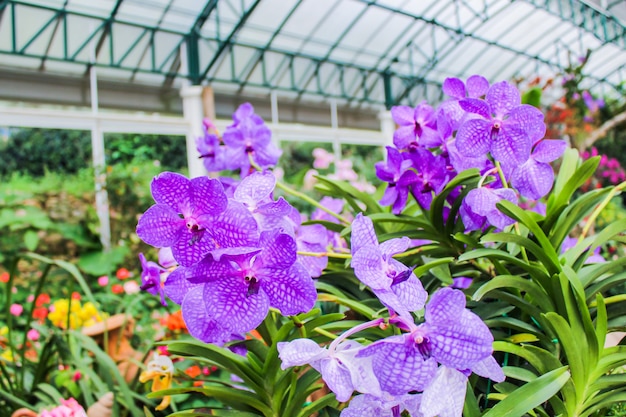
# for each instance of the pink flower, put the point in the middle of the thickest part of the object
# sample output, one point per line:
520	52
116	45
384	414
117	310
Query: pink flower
131	287
77	376
103	280
68	408
30	298
16	309
32	335
323	158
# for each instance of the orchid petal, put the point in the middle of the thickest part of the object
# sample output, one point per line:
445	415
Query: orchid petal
363	233
549	150
502	97
477	86
476	106
199	323
445	395
291	290
474	138
160	226
172	189
454	88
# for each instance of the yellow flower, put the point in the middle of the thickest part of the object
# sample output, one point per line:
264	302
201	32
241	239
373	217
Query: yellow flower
7	355
4	330
79	316
160	370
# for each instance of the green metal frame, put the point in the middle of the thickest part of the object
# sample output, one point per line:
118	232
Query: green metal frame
296	71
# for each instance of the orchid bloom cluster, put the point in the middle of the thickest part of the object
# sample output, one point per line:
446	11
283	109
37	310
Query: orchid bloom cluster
235	245
480	126
423	370
241	252
68	408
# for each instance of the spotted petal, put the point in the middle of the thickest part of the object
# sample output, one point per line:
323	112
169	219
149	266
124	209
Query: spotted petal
395	246
454	88
445	306
511	146
476	106
172	189
177	285
474	138
160	226
368	268
503	97
279	250
199	323
403	115
230	304
489	368
533	179
529	119
338	379
477	86
299	352
399	366
191	247
208	197
445	395
291	290
255	188
235	227
549	150
362	233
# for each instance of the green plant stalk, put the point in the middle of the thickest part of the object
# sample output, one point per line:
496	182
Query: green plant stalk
12	271
300	195
328	254
599	209
505	184
40	284
312	202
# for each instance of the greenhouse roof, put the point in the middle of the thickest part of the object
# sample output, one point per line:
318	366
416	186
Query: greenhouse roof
366	52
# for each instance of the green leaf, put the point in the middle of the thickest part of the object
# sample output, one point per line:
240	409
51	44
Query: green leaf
103	263
238	399
530	395
31	240
350	193
536	293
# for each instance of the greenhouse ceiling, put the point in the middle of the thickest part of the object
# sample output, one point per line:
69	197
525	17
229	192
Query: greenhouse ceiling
363	52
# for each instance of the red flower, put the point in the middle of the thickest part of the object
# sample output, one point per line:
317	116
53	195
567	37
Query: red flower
40	313
4	277
193	371
123	273
75	296
117	288
42	299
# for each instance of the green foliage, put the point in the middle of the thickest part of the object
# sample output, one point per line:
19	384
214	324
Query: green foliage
35	151
129	149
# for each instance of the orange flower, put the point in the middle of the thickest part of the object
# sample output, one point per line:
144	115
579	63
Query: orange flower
175	322
117	288
4	277
75	296
123	273
193	371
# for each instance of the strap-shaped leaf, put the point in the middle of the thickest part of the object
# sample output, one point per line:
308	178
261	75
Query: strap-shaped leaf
537	293
573	215
222	357
235	398
574	351
538	274
315	406
471	176
530	395
604	401
350	193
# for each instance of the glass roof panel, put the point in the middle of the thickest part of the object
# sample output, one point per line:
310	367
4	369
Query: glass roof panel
318	47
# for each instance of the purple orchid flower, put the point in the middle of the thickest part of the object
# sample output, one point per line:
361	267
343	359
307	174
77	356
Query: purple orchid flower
211	151
240	284
395	172
312	238
395	284
247	138
151	278
476	86
416	125
183	215
505	127
255	192
534	178
479	208
451	336
430	176
338	365
367	405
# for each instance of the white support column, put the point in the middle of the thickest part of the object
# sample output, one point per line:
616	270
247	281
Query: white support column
193	114
334	124
99	165
387	127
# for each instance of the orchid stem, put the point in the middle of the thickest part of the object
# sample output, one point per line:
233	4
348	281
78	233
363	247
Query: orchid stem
311	201
601	206
328	254
356	329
